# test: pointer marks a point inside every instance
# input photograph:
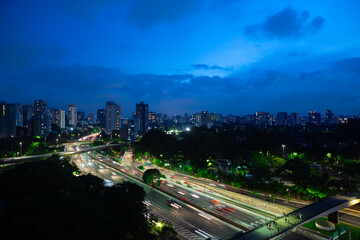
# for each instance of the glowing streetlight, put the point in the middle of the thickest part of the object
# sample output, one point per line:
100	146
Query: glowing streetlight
283	148
20	149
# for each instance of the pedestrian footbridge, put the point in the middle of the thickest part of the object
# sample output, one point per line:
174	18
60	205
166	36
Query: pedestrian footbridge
327	206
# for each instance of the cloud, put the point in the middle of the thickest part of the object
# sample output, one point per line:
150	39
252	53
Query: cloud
349	65
288	23
145	14
213	67
257	89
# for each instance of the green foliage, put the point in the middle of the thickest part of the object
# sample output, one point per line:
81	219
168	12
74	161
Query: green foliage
259	167
45	201
296	170
141	167
152	176
37	148
278	162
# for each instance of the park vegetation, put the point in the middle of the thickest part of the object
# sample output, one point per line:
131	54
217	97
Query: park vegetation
45	200
316	161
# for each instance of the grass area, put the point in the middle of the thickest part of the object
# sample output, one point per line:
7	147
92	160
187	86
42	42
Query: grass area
355	231
245	206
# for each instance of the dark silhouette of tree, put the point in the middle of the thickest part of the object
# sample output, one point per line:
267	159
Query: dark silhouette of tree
153	177
44	200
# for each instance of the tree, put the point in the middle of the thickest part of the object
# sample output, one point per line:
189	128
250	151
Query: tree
152	176
45	201
296	170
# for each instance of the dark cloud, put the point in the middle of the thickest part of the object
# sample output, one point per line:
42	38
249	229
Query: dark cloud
254	90
207	67
351	65
288	23
297	54
145	14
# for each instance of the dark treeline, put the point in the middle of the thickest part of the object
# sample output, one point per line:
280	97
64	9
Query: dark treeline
256	155
44	200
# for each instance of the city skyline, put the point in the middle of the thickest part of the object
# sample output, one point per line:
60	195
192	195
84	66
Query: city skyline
227	57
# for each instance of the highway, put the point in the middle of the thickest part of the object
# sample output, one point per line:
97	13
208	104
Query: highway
346	215
186	220
47	155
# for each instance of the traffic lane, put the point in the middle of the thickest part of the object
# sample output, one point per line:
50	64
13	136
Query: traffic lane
222	208
186	214
238	216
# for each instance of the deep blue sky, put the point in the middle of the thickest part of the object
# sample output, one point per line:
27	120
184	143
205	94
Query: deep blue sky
224	56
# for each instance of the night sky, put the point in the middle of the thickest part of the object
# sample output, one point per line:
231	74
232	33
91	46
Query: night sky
224	56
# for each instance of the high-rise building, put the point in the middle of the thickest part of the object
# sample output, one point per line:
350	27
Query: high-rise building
13	112
314	117
59	118
3	120
41	124
90	119
72	114
262	118
142	113
80	116
329	117
27	112
113	117
152	118
39	107
281	119
293	119
101	117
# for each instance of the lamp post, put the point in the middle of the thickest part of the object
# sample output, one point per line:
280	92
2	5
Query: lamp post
283	149
265	210
57	140
20	149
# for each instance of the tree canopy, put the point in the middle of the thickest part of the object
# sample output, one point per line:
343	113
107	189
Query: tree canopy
44	200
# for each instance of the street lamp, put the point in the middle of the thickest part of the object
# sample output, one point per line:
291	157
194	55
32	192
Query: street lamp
20	149
283	149
57	140
265	210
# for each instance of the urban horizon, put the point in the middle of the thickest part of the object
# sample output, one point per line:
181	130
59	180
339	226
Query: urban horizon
129	113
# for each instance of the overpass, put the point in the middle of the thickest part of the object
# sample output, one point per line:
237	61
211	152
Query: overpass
327	206
25	158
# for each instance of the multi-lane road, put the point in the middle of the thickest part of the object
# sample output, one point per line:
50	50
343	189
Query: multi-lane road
188	221
197	216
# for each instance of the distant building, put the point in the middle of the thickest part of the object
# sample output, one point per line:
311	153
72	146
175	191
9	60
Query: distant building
59	118
41	124
293	119
281	118
13	112
27	113
142	113
3	120
262	118
152	118
113	117
90	119
39	107
72	115
101	117
329	117
80	116
314	117
203	119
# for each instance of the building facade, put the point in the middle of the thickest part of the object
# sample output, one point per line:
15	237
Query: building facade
113	117
142	113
